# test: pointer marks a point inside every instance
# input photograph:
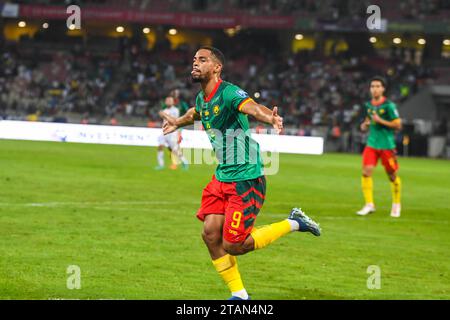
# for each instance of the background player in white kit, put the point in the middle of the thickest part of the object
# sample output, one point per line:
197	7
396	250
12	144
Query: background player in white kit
171	141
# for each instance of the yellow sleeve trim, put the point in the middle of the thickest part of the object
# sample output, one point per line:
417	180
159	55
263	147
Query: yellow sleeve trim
243	103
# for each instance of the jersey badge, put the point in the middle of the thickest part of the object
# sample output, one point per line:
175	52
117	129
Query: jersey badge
241	93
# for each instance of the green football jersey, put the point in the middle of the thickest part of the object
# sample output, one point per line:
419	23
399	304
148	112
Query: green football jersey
228	131
381	137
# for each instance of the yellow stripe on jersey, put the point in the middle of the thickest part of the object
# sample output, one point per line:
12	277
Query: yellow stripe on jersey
243	103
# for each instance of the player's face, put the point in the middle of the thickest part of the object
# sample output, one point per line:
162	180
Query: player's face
169	102
376	89
204	65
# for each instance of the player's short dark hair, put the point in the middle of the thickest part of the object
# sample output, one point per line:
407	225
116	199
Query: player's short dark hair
379	78
216	53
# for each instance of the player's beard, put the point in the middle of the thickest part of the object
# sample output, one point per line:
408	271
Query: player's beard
200	78
196	79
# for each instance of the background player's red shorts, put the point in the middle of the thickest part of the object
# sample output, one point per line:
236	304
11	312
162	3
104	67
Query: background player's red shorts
240	202
388	158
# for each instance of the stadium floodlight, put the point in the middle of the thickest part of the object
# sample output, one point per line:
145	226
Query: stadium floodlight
373	39
230	31
421	41
22	24
257	95
173	31
446	42
146	30
120	29
72	27
397	40
45	25
299	36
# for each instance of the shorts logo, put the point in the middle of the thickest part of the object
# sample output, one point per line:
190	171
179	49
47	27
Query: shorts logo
241	93
381	111
216	110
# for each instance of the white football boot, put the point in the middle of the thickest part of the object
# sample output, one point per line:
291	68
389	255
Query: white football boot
395	211
368	208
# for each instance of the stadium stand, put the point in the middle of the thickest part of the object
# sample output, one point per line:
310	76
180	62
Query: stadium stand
119	80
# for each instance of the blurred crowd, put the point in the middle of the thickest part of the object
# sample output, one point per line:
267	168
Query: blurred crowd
424	9
309	89
50	85
127	85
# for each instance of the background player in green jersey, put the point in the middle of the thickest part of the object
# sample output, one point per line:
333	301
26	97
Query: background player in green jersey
232	200
382	120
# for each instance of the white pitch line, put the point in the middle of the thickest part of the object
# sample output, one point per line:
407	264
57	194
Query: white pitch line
131	210
357	218
89	203
106	205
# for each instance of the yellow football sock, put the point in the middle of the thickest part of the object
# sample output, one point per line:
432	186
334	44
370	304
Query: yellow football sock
367	189
396	188
265	235
227	267
174	158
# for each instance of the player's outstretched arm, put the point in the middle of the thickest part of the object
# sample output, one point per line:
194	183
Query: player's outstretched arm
264	114
171	124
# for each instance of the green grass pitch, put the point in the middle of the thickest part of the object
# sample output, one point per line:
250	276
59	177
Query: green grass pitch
134	235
